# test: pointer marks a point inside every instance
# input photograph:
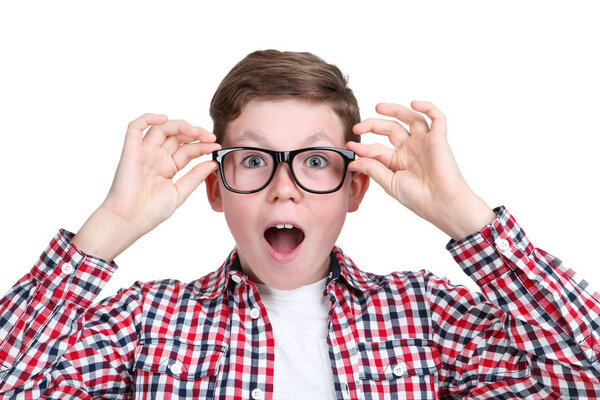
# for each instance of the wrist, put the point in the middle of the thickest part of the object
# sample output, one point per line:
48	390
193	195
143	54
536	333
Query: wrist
465	216
104	235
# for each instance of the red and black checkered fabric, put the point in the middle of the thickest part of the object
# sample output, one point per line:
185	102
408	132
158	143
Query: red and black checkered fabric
532	333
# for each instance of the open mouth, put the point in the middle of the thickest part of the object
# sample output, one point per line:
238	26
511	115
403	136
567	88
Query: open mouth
284	238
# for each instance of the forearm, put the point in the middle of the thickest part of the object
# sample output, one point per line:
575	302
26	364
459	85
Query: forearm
104	235
536	326
531	285
463	216
43	313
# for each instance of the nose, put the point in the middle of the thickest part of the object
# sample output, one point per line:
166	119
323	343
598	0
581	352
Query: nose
283	186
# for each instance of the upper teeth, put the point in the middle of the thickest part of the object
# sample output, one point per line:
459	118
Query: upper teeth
286	226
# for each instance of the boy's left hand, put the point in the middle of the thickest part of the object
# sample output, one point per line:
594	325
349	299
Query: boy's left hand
420	171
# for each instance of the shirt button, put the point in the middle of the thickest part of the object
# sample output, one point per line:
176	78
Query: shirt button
503	244
399	369
236	278
67	269
257	394
330	275
176	368
255	312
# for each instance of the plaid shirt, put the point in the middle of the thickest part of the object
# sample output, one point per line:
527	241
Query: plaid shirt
532	334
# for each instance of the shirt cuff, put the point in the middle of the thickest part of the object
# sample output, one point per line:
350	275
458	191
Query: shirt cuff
501	237
63	263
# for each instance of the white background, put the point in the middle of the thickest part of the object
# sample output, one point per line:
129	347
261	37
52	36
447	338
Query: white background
517	80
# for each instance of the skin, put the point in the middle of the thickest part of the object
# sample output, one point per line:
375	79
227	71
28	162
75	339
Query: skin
286	125
417	169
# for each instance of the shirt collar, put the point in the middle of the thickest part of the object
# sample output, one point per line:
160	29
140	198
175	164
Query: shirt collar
342	265
213	284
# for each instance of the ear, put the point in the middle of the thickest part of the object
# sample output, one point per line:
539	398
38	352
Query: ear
213	192
359	183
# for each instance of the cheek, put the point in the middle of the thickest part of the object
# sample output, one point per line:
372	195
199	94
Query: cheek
330	214
238	210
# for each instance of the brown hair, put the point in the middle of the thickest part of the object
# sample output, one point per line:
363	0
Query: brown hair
273	75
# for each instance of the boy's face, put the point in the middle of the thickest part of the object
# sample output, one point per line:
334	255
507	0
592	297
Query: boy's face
317	218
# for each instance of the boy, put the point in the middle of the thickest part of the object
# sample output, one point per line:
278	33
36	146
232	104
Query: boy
288	315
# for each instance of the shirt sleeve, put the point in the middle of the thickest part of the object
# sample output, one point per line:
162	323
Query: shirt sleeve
533	333
53	343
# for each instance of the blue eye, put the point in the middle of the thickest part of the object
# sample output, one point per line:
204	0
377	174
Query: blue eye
316	161
253	161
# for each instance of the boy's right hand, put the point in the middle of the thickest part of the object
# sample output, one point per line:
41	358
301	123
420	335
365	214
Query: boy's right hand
143	193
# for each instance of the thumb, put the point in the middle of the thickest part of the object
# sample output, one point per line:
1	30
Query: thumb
376	170
193	178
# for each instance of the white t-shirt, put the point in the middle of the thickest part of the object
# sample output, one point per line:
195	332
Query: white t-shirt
299	318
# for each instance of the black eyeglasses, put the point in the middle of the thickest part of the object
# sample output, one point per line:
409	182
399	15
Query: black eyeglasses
314	169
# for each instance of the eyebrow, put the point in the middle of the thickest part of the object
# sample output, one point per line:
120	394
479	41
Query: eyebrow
315	137
251	136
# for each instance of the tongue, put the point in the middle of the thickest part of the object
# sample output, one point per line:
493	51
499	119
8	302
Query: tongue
283	240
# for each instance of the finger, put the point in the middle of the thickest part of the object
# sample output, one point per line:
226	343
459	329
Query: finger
376	170
172	143
157	135
194	177
392	129
377	151
416	121
135	129
205	135
189	151
438	119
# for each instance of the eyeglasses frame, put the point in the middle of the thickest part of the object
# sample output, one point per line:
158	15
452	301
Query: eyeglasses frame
286	157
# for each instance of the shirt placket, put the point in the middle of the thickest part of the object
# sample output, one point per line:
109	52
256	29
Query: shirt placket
343	351
252	344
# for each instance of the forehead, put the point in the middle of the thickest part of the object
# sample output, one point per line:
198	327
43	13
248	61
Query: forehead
285	125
